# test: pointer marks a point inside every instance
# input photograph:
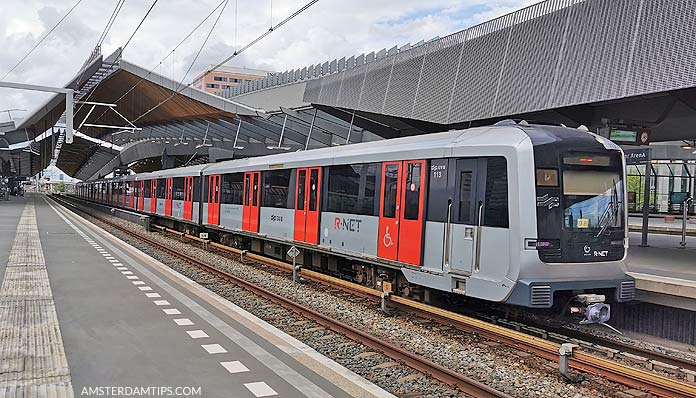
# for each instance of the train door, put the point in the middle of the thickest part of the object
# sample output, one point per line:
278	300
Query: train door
401	211
214	199
153	196
168	197
250	212
188	198
141	195
307	205
465	197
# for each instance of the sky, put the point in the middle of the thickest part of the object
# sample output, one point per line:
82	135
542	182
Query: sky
328	30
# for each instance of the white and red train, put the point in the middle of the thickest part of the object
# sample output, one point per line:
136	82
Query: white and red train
528	215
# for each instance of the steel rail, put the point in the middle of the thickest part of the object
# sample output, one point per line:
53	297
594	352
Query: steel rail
417	362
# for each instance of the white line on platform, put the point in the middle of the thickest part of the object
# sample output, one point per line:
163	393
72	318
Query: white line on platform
234	367
197	334
122	268
127	272
152	295
138	283
214	348
183	322
132	277
161	302
145	288
171	311
260	389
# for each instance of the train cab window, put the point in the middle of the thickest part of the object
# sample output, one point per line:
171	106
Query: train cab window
412	195
178	188
231	188
146	189
391	186
276	184
352	189
161	188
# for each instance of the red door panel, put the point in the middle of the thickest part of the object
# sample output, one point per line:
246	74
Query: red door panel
168	198
413	186
188	198
307	199
214	199
153	196
389	214
250	217
141	195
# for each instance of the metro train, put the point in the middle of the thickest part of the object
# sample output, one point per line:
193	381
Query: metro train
514	213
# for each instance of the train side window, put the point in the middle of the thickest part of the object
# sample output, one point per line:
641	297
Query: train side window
197	189
496	199
352	189
161	188
178	188
301	181
275	188
413	188
313	180
231	191
146	189
391	186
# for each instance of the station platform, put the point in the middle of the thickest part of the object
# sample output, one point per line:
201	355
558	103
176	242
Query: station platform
85	314
658	225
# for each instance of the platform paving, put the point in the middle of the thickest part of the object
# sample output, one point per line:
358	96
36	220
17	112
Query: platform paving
128	322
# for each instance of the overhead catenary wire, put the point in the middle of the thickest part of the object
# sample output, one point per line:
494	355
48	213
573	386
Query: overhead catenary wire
235	54
43	38
110	22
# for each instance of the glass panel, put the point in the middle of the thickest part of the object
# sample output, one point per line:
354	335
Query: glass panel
352	189
464	200
247	183
161	188
275	188
302	176
496	201
391	186
413	188
593	200
231	191
313	179
178	188
255	198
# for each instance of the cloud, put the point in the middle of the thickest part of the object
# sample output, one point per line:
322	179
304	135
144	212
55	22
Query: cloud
327	30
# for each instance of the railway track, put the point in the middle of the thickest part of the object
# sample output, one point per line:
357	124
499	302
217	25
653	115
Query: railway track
627	375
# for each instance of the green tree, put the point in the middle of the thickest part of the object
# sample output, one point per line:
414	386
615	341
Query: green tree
60	187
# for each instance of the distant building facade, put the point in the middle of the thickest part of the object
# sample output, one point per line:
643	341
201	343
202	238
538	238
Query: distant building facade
225	77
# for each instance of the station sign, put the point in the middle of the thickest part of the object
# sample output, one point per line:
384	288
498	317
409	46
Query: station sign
630	137
638	156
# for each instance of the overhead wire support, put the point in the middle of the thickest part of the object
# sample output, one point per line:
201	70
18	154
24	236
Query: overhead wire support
236	53
43	38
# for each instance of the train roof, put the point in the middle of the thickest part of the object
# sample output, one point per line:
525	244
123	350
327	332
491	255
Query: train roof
179	171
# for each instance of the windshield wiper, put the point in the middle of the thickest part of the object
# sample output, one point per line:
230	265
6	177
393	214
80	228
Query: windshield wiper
610	214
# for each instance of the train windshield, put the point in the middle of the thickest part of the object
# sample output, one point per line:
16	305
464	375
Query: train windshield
593	201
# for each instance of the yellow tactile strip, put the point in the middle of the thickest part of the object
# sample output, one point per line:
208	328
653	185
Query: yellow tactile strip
32	357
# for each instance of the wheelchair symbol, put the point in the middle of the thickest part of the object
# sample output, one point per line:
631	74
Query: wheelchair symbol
387	240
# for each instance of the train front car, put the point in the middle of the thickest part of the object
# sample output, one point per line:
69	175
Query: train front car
576	259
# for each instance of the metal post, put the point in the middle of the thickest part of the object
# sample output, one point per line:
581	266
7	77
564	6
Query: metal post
295	271
311	127
69	108
646	205
350	128
685	217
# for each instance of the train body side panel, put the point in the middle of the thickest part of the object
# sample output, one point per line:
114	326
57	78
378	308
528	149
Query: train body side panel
178	209
230	216
349	232
277	222
195	212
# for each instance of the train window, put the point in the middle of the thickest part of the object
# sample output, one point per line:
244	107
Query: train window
178	188
466	188
391	186
247	184
301	180
146	188
255	198
413	188
352	188
496	200
275	188
438	194
313	180
231	188
197	190
161	188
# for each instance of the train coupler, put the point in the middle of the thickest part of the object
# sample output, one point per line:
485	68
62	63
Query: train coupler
592	308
